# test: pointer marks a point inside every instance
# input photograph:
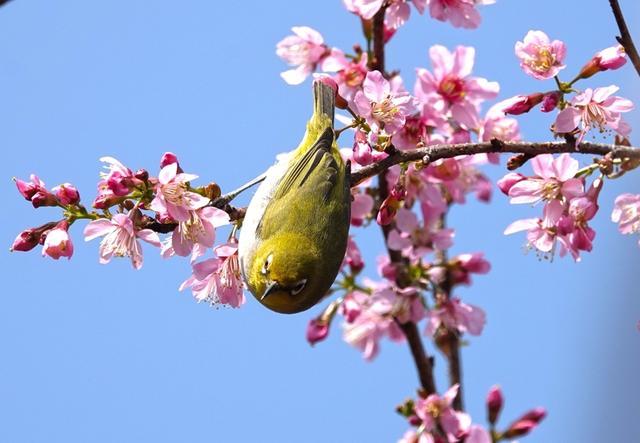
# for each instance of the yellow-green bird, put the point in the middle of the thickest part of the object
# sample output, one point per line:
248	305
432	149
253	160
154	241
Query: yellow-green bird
294	234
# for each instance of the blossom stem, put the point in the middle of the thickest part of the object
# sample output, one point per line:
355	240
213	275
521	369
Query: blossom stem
625	36
437	152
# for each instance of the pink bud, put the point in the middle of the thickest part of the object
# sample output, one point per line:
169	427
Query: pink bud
362	152
67	194
43	198
550	101
611	58
387	211
317	330
526	423
414	420
27	190
521	103
25	241
388	33
142	175
167	159
494	404
57	242
506	182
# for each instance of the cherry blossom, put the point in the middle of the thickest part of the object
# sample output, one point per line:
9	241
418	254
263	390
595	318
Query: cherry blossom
305	49
173	196
67	194
595	109
626	212
120	238
198	230
57	242
384	108
451	83
35	192
461	13
457	315
613	57
438	410
540	57
349	74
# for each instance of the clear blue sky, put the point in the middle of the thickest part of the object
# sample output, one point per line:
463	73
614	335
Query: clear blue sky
94	353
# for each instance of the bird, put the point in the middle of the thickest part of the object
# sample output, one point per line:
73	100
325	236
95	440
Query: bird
294	234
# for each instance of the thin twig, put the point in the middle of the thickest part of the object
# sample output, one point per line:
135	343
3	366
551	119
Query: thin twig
422	361
625	36
437	152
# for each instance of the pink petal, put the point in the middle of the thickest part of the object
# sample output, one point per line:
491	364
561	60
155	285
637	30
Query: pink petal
149	236
97	228
567	120
168	173
406	220
463	61
297	75
441	59
565	167
521	225
308	34
600	94
376	88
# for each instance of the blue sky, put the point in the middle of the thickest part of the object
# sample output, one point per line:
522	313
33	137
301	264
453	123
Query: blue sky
106	354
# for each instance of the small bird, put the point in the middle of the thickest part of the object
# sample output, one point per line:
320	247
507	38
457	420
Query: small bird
294	234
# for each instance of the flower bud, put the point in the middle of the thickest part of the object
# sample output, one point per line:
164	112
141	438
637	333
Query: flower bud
67	194
521	103
317	331
43	198
142	175
25	241
609	58
387	211
506	182
494	404
526	423
167	159
550	101
57	242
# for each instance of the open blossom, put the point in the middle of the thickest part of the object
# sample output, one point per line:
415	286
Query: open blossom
120	238
497	125
381	105
463	265
554	179
349	74
57	242
626	212
218	280
173	196
595	109
438	410
118	179
456	315
451	83
304	50
414	239
199	230
461	13
396	15
540	57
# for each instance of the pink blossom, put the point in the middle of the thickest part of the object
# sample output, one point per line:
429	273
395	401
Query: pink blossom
478	434
218	280
366	9
35	192
554	179
520	103
416	240
435	410
497	126
304	50
507	182
626	212
67	194
540	57
452	84
350	74
118	179
57	242
173	196
361	207
456	315
168	158
461	13
353	257
595	109
198	229
542	234
120	238
363	153
29	238
613	57
463	265
381	105
413	133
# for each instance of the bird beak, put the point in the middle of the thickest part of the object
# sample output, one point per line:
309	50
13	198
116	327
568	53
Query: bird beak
273	286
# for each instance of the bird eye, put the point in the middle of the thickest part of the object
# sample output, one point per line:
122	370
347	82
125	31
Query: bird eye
297	289
267	264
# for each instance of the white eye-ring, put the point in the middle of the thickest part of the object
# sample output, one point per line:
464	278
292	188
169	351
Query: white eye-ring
267	264
297	289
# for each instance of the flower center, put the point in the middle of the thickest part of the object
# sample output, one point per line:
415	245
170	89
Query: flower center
550	190
543	61
384	111
174	193
353	77
452	88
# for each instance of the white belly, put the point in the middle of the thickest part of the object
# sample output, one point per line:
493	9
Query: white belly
248	241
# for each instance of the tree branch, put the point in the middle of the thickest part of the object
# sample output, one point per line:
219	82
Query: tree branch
625	36
4	2
410	329
437	152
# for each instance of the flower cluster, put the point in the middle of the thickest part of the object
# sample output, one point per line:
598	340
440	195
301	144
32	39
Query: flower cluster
167	203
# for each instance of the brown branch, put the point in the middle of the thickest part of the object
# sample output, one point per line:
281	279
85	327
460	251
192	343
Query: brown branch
625	36
437	152
4	2
422	361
